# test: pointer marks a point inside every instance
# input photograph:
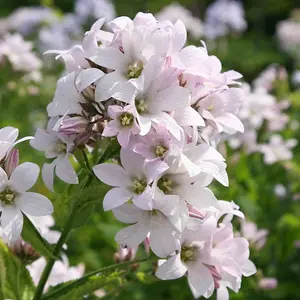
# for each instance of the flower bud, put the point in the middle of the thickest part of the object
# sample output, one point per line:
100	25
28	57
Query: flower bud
268	283
75	125
24	251
125	254
11	162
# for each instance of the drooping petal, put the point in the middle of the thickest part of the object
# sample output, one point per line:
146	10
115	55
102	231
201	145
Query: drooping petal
112	174
116	197
48	175
128	213
133	235
35	204
222	293
24	177
162	241
200	280
248	268
173	268
65	171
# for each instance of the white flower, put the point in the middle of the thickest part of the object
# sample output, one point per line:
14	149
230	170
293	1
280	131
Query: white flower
123	125
58	146
61	272
209	254
222	17
19	53
132	181
277	149
154	224
8	139
257	237
95	9
14	198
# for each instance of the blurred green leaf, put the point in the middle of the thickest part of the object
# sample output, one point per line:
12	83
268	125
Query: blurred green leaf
15	281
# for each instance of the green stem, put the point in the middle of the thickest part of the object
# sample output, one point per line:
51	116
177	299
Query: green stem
87	276
68	227
51	261
86	160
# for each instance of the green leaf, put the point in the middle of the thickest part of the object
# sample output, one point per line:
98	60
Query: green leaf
31	235
83	215
77	289
83	202
15	281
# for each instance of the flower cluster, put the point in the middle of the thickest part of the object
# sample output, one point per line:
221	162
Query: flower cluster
223	17
262	110
167	106
21	56
15	181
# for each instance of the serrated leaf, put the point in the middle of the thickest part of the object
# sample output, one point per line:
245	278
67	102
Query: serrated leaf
15	281
31	235
82	287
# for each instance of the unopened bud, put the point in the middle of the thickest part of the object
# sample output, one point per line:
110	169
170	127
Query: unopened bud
24	251
268	283
75	125
11	162
216	276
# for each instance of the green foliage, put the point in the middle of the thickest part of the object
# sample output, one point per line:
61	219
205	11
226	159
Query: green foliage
15	281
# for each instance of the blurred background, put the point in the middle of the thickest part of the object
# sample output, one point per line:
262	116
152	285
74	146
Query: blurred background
259	39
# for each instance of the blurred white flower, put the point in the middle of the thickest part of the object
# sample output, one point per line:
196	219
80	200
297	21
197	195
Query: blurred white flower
296	78
288	33
223	17
175	12
277	149
268	283
94	9
61	271
256	237
19	53
280	190
26	20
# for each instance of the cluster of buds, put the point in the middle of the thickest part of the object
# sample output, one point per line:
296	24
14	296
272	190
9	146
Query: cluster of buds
167	106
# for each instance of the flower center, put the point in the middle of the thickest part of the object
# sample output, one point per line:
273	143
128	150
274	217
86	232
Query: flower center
188	253
61	147
135	70
126	119
138	186
7	197
141	106
165	184
160	151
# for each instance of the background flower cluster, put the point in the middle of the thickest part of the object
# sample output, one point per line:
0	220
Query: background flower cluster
259	40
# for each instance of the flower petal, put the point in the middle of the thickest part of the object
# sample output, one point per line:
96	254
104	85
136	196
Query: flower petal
116	197
35	204
133	235
48	175
65	171
112	174
173	268
24	177
128	213
3	179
